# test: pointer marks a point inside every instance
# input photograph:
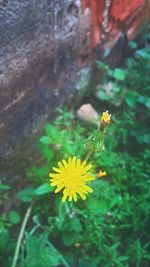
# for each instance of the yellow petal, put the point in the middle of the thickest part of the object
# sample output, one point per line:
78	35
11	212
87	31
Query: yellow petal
56	170
53	184
88	189
64	198
83	163
65	163
70	197
53	175
59	188
78	163
60	165
88	167
82	195
75	197
69	160
88	177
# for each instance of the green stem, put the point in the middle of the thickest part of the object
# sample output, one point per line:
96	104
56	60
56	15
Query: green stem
67	208
90	152
101	141
22	230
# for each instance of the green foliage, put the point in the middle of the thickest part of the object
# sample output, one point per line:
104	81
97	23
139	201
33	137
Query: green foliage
4	187
119	74
45	188
110	228
133	45
14	217
40	252
26	194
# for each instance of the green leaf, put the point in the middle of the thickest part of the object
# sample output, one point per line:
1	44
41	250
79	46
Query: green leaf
72	224
110	72
85	263
133	44
52	132
102	95
71	229
119	74
116	88
45	140
46	151
144	100
26	195
131	99
101	65
39	172
143	53
41	253
14	217
123	258
4	238
4	187
43	189
69	238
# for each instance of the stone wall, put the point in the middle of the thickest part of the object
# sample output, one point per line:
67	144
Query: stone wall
40	45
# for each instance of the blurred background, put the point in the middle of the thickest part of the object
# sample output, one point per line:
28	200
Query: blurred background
63	63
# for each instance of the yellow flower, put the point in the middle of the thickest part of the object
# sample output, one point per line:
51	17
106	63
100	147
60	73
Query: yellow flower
105	119
101	174
71	177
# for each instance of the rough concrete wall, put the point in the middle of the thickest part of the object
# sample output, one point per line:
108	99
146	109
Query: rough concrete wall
39	52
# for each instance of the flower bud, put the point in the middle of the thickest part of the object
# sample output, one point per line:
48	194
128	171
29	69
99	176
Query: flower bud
105	120
101	174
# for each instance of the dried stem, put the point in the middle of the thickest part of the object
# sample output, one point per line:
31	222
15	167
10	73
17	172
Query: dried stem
22	230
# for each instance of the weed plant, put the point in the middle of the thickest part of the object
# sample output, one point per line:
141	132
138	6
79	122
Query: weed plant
112	227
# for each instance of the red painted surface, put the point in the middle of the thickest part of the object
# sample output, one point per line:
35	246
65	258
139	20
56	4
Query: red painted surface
123	9
123	15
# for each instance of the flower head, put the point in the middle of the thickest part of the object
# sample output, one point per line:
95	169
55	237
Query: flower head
71	177
105	119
